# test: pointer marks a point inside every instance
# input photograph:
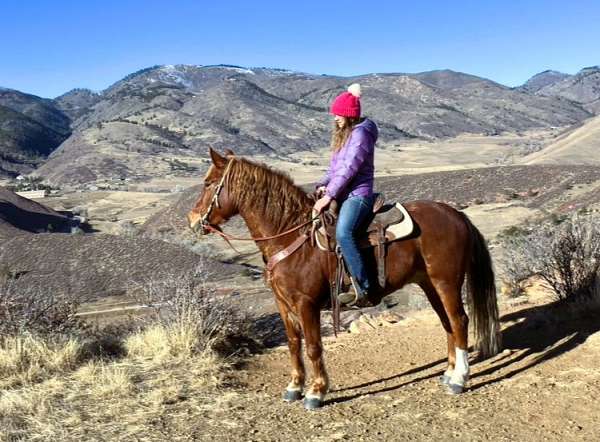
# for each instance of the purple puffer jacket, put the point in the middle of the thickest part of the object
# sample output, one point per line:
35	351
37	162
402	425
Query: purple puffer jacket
351	168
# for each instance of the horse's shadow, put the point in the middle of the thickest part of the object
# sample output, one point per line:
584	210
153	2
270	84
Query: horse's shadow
533	335
538	334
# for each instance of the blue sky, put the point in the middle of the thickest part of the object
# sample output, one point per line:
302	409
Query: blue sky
50	47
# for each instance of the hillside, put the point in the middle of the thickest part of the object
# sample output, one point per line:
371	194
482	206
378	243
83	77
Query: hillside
154	116
580	145
20	215
77	102
94	266
537	187
583	87
541	80
30	129
36	242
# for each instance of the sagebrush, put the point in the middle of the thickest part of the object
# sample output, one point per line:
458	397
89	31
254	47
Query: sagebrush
564	255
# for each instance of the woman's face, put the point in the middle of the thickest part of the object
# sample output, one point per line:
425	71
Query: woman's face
340	121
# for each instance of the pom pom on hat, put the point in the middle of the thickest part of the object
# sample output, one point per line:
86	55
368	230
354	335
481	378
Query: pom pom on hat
347	104
354	89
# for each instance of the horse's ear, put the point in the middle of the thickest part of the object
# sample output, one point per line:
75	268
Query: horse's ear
217	159
229	153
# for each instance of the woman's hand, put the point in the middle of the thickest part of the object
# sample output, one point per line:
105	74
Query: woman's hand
322	204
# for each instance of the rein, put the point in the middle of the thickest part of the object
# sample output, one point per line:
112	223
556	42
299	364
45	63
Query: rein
334	285
260	238
275	258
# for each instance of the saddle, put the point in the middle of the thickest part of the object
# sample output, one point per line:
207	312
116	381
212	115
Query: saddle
389	222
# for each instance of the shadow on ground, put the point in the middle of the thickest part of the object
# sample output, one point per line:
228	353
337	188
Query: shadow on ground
536	335
533	335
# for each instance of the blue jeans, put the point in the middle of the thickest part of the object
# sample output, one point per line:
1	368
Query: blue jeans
354	213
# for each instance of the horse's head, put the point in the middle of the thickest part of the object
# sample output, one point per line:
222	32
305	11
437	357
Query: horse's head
214	205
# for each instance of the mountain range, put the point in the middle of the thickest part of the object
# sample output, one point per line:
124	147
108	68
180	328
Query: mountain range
178	111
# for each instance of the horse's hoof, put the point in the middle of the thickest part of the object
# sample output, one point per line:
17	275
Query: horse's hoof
455	389
445	379
312	403
292	395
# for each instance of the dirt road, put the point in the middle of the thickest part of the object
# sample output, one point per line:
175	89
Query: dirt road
544	386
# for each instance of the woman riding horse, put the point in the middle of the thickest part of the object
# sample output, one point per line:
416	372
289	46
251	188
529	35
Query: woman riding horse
445	250
349	181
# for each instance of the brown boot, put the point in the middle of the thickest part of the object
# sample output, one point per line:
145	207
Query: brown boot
351	298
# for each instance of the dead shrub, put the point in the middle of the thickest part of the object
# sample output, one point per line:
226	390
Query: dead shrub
31	310
38	332
188	317
564	254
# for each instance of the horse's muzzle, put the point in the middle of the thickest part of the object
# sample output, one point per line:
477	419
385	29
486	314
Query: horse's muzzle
196	226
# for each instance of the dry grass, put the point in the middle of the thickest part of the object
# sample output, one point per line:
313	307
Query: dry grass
139	395
164	342
27	359
160	387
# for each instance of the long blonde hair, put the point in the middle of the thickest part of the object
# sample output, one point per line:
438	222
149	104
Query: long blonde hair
340	135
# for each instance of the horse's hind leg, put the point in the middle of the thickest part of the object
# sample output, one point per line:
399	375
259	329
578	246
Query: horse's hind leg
436	303
293	391
450	295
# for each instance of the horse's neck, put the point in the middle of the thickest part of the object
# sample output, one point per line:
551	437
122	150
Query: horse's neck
259	226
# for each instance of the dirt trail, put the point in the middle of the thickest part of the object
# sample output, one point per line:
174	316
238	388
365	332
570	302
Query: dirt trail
384	386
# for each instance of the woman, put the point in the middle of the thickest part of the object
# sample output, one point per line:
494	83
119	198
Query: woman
349	181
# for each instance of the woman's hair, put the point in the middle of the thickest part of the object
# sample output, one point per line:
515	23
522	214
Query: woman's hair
340	135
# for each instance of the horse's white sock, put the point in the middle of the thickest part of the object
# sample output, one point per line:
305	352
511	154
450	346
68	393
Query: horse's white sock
294	387
314	395
460	375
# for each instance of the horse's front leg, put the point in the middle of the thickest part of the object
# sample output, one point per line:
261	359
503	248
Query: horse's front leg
293	391
311	325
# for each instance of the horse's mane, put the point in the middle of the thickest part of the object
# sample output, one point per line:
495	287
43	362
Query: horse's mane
271	193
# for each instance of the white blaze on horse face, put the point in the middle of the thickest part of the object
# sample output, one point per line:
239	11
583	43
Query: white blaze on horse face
460	375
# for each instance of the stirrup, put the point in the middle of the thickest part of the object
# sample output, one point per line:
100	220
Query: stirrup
350	297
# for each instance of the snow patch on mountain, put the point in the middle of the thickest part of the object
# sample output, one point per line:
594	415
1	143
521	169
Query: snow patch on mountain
238	69
171	74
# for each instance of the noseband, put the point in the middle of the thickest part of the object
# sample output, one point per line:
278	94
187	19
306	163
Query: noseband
215	199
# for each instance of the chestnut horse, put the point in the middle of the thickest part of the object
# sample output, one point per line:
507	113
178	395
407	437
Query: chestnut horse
445	248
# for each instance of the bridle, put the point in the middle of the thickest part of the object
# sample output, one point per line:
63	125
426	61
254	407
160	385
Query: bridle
214	202
277	257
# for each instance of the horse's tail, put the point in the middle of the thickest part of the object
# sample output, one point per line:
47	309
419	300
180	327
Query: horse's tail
481	294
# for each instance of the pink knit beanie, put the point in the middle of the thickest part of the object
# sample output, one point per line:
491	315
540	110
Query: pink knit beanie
347	104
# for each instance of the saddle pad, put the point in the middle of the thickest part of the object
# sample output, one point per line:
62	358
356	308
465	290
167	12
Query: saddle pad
403	228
